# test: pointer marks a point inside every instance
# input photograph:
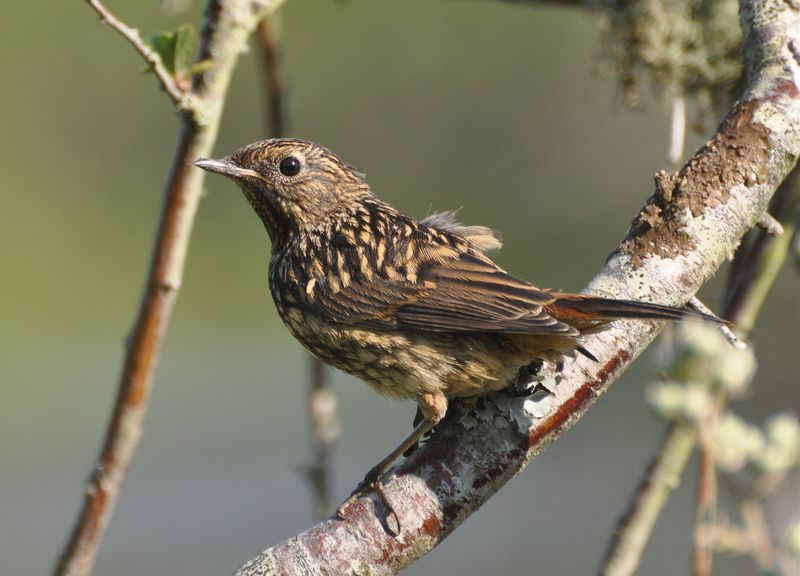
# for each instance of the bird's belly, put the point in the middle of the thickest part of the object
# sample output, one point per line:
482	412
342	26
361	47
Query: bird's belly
408	365
388	362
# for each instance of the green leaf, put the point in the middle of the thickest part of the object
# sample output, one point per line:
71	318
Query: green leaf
177	49
164	44
186	40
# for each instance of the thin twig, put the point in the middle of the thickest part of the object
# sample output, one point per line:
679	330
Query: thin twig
762	256
224	35
732	338
759	538
706	513
662	477
325	430
143	347
273	78
747	291
167	80
321	401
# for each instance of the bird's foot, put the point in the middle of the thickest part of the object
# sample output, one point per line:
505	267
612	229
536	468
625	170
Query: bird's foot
435	407
527	381
372	481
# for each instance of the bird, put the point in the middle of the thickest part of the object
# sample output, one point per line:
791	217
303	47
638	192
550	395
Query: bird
417	309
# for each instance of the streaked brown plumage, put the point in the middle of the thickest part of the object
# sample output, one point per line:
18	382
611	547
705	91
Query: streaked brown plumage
417	309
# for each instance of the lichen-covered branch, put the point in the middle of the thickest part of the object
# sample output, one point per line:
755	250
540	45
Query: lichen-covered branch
227	26
753	272
689	227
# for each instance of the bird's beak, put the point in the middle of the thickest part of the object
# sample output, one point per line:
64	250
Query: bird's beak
228	168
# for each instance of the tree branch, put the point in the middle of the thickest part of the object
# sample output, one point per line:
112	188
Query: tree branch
742	301
325	429
273	78
227	26
662	476
753	272
180	98
675	244
759	261
321	403
706	512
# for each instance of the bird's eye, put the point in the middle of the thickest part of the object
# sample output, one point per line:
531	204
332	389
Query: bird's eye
289	166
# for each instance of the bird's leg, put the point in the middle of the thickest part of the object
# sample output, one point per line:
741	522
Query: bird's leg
433	407
418	418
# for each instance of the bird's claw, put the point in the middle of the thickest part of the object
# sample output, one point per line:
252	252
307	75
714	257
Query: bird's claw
371	482
527	382
354	495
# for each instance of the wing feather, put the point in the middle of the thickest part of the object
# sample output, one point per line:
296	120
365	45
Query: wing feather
466	293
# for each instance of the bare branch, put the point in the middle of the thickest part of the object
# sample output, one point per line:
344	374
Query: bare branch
321	402
758	261
674	246
732	338
325	429
224	36
167	80
706	513
273	78
663	475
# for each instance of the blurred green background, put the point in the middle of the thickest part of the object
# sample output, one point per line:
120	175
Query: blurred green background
444	104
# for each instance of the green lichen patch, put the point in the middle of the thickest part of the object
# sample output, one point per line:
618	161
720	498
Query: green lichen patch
680	47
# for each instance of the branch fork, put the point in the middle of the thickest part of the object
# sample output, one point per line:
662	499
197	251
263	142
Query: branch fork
182	99
227	26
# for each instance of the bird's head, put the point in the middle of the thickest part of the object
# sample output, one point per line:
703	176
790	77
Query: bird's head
292	184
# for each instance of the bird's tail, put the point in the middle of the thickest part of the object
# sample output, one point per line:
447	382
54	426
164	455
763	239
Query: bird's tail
595	308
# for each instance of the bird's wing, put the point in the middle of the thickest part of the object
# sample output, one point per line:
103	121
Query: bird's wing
467	293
